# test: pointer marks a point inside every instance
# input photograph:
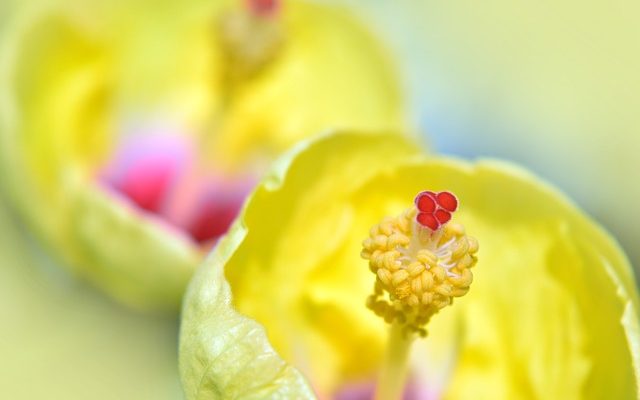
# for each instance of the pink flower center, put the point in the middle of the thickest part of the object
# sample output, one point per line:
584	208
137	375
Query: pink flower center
158	173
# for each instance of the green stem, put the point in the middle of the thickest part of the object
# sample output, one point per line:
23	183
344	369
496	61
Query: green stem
396	364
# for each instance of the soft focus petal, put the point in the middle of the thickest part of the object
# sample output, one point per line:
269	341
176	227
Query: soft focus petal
331	74
76	78
553	313
232	357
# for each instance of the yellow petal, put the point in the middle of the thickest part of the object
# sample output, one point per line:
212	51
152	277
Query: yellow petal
544	318
224	354
137	259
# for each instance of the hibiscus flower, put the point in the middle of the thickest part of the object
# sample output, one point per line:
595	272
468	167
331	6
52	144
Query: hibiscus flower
283	306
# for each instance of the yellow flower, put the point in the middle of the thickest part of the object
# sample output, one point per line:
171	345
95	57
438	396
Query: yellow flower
131	131
278	309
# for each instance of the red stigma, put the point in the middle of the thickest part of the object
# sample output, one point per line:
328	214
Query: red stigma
434	209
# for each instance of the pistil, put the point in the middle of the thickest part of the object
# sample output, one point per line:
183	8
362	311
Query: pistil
422	261
393	375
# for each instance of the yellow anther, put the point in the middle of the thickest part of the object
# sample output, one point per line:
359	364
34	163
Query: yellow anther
416	285
444	289
386	227
384	276
463	280
466	261
391	261
473	245
415	268
439	273
427	280
459	292
399	277
377	259
404	223
418	271
427	257
380	242
460	249
403	290
398	239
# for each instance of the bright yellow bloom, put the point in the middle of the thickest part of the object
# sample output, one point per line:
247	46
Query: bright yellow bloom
278	309
120	119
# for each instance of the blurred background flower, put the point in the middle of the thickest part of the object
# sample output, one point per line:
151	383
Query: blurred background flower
132	131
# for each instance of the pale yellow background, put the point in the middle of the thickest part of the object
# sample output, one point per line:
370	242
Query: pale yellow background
61	339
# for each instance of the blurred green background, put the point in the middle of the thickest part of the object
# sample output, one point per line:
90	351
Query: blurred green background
62	339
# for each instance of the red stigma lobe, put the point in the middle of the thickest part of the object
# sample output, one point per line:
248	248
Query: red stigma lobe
428	220
447	201
426	202
442	216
